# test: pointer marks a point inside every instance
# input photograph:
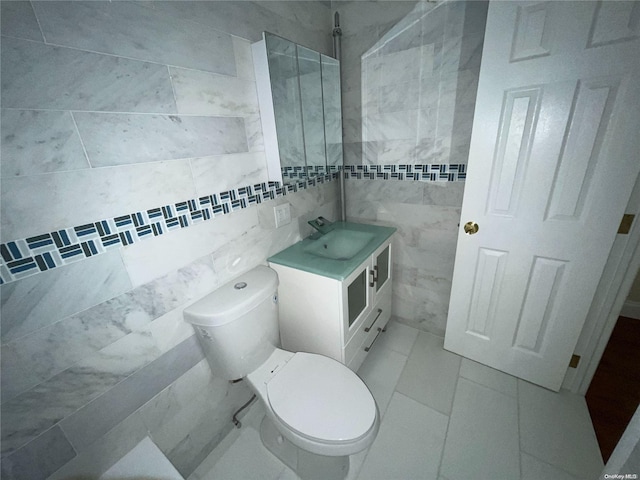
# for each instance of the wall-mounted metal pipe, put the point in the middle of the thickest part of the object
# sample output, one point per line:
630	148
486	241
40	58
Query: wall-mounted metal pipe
337	54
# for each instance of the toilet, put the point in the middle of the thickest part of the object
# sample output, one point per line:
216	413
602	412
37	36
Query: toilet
318	412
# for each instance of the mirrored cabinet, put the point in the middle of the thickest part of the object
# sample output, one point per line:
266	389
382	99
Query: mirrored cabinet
300	105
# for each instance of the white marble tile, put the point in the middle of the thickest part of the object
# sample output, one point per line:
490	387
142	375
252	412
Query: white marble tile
404	35
319	38
39	76
35	204
193	381
251	419
18	20
489	377
288	474
380	371
170	329
365	190
181	247
312	15
123	399
253	249
409	443
425	217
398	338
436	242
130	30
535	469
446	193
209	462
556	428
253	129
413	314
121	358
224	172
482	440
401	66
397	96
53	349
106	451
424	310
204	437
246	20
431	373
40	458
16	376
204	421
160	408
39	142
121	139
247	459
396	152
390	126
202	93
359	17
244	59
35	302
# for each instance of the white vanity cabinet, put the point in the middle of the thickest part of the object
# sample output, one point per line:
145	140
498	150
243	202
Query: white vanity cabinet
337	318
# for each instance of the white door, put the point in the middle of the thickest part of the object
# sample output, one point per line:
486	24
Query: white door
555	152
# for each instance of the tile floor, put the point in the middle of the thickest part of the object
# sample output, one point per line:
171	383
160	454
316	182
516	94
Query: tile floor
443	418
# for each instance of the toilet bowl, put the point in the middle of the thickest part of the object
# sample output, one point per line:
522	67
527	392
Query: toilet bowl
314	402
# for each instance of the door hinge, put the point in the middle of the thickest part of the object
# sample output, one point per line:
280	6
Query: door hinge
575	360
625	223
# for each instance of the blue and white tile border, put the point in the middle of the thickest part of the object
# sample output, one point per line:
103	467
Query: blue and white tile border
30	256
426	173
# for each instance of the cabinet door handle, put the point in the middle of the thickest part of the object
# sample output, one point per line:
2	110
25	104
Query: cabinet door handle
372	283
375	274
366	349
374	321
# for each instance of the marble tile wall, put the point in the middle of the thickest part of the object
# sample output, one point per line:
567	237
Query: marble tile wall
409	85
109	108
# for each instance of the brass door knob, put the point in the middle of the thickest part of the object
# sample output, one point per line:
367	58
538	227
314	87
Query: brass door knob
471	227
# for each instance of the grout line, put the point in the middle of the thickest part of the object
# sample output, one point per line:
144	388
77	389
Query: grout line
96	52
553	466
173	89
518	426
135	59
84	149
44	39
115	112
446	434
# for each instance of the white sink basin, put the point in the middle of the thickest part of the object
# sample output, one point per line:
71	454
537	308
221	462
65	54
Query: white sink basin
339	244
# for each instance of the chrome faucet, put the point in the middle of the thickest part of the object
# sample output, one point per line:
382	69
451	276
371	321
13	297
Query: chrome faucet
320	224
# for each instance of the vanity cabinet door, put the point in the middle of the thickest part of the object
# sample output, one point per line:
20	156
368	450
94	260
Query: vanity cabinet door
382	267
357	297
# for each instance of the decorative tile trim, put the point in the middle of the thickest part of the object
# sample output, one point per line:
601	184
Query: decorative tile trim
30	256
426	173
308	172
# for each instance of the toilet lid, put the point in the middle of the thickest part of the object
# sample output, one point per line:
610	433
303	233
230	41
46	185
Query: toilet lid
314	394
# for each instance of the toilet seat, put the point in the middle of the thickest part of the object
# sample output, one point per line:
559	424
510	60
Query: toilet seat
315	383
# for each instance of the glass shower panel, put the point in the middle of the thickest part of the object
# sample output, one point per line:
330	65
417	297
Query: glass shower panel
332	109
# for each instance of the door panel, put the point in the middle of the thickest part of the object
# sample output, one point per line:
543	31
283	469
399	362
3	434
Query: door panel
554	156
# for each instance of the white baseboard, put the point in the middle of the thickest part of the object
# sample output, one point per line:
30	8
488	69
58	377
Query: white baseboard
631	310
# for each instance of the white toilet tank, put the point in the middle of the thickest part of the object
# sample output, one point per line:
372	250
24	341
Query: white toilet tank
238	323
